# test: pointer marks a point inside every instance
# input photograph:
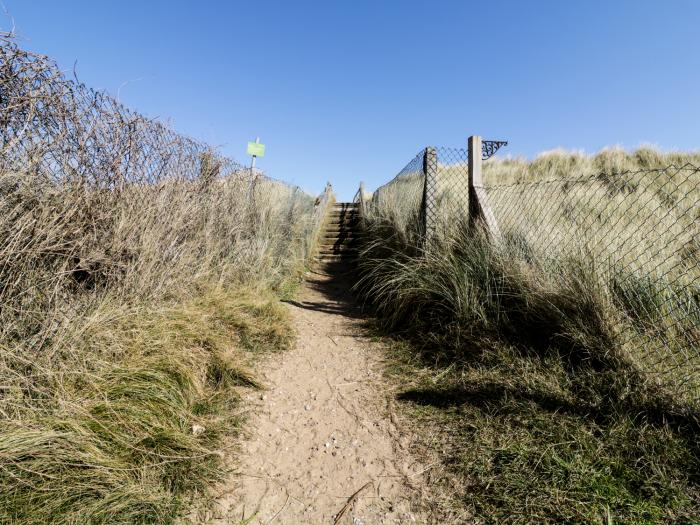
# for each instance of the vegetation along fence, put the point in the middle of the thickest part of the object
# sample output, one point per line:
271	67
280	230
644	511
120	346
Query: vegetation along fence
635	233
93	194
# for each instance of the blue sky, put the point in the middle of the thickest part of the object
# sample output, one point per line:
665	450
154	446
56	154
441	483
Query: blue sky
349	91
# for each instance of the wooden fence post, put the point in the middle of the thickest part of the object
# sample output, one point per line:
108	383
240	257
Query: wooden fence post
480	210
430	193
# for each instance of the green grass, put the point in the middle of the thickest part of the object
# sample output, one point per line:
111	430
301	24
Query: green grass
114	442
523	439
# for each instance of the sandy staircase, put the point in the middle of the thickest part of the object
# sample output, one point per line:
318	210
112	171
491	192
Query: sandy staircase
339	241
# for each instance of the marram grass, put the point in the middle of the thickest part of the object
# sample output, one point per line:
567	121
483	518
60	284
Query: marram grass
520	372
134	435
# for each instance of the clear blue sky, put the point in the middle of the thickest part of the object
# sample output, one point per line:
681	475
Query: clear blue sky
349	91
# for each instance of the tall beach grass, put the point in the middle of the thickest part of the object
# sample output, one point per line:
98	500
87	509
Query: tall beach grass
556	370
138	276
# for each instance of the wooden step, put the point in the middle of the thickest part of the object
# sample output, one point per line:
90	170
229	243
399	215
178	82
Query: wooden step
339	237
329	236
340	229
344	220
347	226
339	234
343	216
336	258
340	246
337	248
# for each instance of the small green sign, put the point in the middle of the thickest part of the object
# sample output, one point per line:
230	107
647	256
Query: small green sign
256	149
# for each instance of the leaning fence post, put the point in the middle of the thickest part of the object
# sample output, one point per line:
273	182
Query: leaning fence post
430	193
480	210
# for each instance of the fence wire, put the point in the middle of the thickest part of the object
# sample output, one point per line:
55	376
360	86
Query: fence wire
63	132
451	188
403	196
90	189
637	233
641	234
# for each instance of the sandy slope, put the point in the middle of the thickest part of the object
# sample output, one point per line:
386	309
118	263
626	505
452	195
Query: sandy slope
322	430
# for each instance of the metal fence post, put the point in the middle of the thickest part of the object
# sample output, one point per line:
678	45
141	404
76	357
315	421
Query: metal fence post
430	193
479	208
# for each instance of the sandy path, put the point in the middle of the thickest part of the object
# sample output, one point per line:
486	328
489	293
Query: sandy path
321	431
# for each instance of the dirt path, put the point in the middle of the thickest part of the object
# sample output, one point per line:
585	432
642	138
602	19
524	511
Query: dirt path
322	430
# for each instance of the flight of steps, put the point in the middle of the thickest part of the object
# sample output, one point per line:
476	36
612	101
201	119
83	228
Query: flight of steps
339	241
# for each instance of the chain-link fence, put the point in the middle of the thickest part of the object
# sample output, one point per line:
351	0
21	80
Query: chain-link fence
93	194
63	131
403	196
638	232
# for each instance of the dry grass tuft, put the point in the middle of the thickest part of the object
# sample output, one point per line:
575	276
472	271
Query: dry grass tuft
133	432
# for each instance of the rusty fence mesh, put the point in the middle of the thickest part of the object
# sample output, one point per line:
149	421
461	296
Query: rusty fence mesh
638	232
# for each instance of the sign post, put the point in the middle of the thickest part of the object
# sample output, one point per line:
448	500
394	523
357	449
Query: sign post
255	149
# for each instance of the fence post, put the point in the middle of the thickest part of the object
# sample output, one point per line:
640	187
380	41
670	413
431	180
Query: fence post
480	210
251	198
362	199
430	193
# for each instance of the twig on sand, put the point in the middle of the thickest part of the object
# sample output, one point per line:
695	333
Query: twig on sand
349	503
279	511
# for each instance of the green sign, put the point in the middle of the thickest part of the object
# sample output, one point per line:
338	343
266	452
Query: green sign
256	149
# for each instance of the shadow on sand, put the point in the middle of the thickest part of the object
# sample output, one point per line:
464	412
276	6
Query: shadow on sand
333	281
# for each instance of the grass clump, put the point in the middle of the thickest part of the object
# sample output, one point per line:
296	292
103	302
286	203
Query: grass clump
136	433
535	371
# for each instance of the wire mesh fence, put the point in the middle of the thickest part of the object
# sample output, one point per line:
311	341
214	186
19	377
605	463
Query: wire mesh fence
93	193
637	231
63	131
407	187
434	185
640	232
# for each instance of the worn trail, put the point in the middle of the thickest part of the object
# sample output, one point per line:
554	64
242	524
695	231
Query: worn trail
323	448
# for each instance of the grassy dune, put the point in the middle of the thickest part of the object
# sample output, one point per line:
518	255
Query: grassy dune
138	271
536	358
128	317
